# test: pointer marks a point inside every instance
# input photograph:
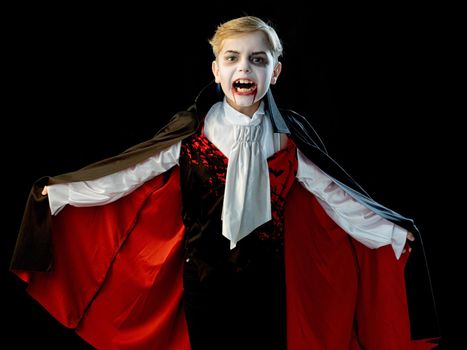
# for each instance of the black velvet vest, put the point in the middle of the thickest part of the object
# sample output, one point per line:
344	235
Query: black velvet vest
203	171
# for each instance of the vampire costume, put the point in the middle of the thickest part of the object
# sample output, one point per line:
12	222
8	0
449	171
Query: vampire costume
159	266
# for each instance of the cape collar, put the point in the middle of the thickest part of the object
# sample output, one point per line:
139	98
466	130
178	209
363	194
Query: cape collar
211	93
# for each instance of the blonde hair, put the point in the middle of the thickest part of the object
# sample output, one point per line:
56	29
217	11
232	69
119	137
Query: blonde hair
246	24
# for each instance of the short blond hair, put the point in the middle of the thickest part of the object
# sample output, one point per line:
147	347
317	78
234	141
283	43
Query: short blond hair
246	24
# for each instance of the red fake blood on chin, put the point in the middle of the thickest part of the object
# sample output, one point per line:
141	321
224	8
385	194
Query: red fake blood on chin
234	94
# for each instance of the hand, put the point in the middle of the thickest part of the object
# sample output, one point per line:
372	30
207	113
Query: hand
411	238
45	191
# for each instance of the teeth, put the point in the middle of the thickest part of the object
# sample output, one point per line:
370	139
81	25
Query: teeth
246	90
244	81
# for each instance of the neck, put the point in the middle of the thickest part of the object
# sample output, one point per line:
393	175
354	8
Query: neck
246	110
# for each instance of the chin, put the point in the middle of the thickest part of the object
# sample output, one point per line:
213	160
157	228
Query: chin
244	101
245	104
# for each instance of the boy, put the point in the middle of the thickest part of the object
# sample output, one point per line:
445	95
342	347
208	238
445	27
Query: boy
232	228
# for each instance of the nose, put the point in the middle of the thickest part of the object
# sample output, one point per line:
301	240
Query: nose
244	66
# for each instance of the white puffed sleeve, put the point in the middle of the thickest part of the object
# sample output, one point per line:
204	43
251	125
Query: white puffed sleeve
109	188
357	220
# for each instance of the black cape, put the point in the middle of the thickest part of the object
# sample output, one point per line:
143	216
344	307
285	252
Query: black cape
33	247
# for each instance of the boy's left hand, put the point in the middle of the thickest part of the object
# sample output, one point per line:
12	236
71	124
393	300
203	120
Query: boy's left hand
411	238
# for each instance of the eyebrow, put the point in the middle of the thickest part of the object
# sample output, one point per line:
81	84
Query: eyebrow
252	54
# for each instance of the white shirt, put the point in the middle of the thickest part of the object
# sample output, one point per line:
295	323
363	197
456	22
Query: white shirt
247	143
221	127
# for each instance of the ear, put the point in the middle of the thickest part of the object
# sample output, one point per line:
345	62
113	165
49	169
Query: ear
276	72
215	71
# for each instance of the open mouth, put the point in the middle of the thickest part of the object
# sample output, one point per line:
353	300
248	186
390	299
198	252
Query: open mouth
244	86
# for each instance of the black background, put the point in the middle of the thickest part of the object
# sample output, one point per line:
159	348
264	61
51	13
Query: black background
86	83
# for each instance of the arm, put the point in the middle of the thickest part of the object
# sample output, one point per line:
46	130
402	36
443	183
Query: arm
357	220
110	188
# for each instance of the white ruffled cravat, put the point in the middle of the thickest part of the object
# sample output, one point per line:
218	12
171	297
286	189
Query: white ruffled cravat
247	142
246	188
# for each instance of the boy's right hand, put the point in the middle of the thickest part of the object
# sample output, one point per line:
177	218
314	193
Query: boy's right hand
45	191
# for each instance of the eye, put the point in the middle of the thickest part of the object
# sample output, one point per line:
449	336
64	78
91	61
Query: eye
231	58
258	60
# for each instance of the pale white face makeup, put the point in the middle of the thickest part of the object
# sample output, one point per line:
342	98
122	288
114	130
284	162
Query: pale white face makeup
245	68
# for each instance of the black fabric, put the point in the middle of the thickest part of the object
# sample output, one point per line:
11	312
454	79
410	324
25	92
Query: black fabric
234	299
32	250
422	306
278	123
236	308
202	176
309	143
424	318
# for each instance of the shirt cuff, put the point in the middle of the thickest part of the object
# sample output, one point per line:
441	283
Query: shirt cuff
58	197
398	240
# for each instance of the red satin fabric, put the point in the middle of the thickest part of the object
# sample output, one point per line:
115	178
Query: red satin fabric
341	294
118	277
118	270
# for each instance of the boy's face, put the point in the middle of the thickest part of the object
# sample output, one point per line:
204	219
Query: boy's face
245	68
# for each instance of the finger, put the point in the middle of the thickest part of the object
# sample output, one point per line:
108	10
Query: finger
410	236
45	191
405	249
